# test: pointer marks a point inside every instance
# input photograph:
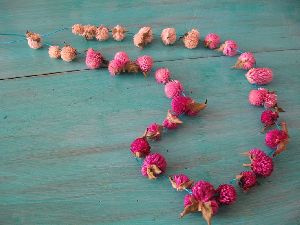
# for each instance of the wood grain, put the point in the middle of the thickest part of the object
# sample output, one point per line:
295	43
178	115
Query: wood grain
64	149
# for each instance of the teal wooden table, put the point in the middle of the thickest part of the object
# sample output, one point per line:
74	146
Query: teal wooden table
65	136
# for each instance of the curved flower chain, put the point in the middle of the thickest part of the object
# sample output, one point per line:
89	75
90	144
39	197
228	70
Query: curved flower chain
202	196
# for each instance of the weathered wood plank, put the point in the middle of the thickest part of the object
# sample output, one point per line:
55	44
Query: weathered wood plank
65	139
256	25
64	155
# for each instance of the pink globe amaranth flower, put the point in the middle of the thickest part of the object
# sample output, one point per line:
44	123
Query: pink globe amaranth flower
180	104
153	165
115	67
274	137
284	140
262	166
119	33
169	125
260	76
245	61
264	91
171	121
194	108
256	152
68	53
54	52
208	209
247	180
215	206
140	147
122	57
268	118
89	31
93	59
183	104
226	194
191	39
180	182
203	191
263	97
145	63
34	40
173	88
187	200
270	100
229	48
168	36
143	37
78	29
212	41
257	97
162	75
153	131
102	33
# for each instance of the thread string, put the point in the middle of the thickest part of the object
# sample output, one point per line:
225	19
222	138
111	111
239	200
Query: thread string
54	32
12	41
278	126
12	34
240	51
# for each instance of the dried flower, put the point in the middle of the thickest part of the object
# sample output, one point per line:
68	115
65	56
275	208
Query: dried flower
229	48
140	147
212	41
247	180
180	182
203	191
171	121
268	118
270	100
245	61
259	76
93	59
162	75
68	53
143	37
168	36
262	166
183	104
119	33
278	139
122	57
77	29
153	131
34	40
102	33
226	194
257	97
153	165
54	52
208	209
89	31
173	88
145	63
191	39
115	67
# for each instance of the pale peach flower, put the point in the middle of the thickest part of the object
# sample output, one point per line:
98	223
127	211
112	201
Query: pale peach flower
191	39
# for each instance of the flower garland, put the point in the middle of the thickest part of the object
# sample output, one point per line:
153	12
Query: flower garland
202	196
